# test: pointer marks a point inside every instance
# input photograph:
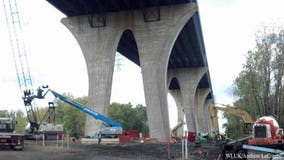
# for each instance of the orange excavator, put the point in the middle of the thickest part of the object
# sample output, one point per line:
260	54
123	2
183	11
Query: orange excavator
266	130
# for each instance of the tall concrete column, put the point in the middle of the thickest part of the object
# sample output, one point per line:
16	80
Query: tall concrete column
207	120
188	79
155	41
99	46
176	94
200	97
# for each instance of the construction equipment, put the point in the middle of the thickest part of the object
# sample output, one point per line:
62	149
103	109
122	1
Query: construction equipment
20	58
112	129
176	127
202	138
22	68
248	121
175	138
266	131
214	118
266	137
7	136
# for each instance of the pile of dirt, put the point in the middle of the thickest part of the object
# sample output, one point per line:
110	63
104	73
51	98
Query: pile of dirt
127	151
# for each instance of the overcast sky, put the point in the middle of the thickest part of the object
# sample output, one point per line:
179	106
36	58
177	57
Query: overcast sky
229	27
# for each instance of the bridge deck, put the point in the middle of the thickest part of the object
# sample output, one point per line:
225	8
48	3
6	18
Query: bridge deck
82	7
188	50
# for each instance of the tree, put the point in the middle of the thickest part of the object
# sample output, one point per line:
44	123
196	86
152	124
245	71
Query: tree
19	117
72	119
21	120
4	113
131	118
259	86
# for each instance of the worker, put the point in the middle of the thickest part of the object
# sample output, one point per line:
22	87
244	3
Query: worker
39	93
99	137
219	139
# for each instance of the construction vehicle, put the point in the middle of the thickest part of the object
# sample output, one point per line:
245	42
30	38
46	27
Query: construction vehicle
266	138
175	138
231	146
248	121
266	131
50	131
41	126
7	136
112	128
176	127
16	36
202	138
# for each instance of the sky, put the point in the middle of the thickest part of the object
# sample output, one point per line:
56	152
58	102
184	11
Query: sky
55	58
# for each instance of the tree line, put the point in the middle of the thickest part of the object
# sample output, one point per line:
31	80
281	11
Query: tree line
259	86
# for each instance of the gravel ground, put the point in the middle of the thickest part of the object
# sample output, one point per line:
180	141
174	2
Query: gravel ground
129	151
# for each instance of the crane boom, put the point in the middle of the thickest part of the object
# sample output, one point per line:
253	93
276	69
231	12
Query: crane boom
85	109
248	122
20	60
236	111
214	117
17	44
112	129
18	48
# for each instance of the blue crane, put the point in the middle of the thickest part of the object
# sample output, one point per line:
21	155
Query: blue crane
112	128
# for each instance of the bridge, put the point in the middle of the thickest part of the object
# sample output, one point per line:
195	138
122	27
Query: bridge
163	37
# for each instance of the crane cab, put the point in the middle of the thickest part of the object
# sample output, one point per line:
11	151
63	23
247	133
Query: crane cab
266	131
7	124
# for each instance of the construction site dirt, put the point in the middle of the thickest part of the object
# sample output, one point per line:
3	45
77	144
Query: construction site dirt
128	151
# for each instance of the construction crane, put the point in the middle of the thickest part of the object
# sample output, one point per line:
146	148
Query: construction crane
21	63
17	44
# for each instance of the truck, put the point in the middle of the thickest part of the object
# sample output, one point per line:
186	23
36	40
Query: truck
111	129
8	137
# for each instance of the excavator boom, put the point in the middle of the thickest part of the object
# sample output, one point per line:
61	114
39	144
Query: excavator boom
248	121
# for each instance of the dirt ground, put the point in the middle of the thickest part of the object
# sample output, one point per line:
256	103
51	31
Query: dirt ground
128	151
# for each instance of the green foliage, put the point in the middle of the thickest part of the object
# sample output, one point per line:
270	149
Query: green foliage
4	113
259	87
130	117
234	126
72	119
41	112
19	117
21	120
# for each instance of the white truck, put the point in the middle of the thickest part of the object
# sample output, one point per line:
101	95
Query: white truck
8	138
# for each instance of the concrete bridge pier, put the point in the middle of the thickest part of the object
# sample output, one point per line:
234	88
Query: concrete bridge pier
154	40
188	79
207	119
200	98
155	90
99	48
176	94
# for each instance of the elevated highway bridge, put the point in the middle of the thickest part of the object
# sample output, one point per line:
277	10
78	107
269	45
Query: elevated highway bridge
163	37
